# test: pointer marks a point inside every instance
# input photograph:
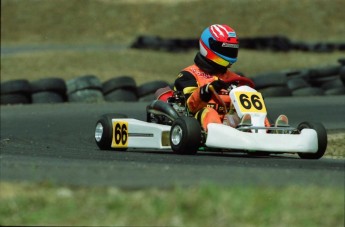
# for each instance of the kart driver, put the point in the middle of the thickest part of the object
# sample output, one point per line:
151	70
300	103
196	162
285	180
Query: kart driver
218	52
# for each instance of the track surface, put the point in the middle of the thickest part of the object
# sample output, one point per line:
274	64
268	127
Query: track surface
55	143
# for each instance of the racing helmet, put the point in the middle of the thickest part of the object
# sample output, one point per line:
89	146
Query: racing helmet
219	44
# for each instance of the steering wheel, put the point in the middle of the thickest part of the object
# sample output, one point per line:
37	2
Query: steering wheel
236	79
240	81
218	98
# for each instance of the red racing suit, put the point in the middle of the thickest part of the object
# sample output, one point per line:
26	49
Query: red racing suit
191	79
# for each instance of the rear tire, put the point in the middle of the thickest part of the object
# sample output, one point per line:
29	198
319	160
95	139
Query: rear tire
321	138
185	135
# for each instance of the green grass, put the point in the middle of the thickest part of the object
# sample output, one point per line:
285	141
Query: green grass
90	22
113	21
207	205
144	65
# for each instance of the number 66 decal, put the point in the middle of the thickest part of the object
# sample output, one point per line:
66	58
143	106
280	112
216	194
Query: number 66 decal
250	102
120	134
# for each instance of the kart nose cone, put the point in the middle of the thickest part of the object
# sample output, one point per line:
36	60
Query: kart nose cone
98	132
176	135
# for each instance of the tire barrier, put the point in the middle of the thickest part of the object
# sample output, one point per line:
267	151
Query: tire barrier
328	80
16	92
274	43
86	88
147	90
48	90
122	88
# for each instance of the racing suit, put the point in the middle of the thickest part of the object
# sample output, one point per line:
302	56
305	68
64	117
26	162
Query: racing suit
191	79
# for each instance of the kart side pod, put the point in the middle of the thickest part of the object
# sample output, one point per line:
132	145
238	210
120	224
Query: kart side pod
221	136
123	133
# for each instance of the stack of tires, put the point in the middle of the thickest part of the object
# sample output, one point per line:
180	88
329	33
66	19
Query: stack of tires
330	79
48	90
86	88
274	43
327	80
21	91
15	92
272	84
146	91
122	88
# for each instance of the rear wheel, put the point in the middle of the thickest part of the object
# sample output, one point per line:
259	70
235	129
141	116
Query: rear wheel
104	131
321	138
185	135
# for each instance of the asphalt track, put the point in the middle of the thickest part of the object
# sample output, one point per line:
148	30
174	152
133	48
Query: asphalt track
55	143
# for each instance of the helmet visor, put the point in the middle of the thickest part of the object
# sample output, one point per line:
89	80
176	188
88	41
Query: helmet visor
227	49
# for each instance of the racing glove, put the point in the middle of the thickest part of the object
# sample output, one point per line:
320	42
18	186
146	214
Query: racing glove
206	93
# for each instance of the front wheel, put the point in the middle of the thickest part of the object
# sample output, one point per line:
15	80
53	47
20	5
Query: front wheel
321	138
104	131
185	135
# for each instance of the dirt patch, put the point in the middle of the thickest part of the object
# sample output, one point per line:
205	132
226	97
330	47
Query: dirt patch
336	144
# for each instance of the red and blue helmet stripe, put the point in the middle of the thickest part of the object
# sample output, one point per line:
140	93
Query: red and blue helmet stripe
219	44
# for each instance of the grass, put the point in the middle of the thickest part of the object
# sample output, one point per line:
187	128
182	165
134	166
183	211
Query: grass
114	21
207	205
92	22
144	65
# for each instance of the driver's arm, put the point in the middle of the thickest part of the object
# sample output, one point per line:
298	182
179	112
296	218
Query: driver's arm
187	83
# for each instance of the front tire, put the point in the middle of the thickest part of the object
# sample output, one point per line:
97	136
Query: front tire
104	131
185	135
321	138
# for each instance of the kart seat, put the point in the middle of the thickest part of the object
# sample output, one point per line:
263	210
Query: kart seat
159	107
164	93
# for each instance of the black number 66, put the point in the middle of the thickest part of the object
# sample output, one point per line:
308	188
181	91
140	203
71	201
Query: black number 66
249	102
120	134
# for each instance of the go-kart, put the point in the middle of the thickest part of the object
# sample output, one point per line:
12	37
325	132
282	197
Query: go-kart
169	125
